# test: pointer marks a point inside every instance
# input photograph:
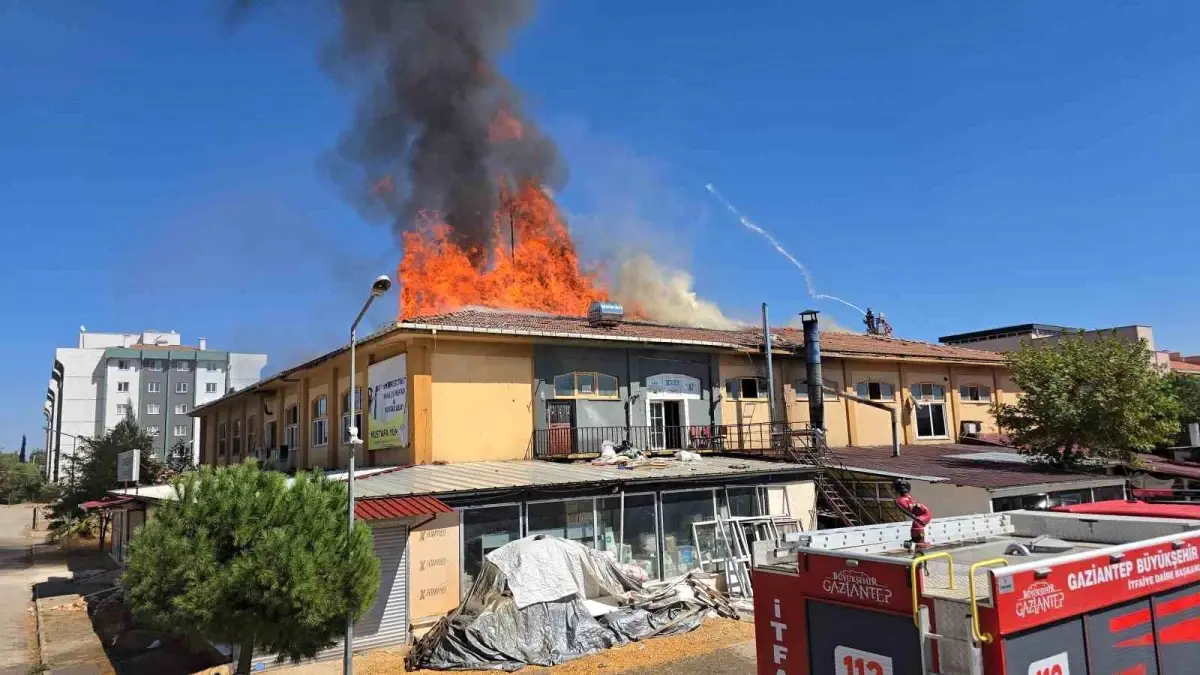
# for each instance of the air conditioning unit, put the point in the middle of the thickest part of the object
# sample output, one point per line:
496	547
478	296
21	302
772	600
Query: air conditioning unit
969	428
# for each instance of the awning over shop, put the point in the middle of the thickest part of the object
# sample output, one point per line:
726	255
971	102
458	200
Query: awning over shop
399	507
106	503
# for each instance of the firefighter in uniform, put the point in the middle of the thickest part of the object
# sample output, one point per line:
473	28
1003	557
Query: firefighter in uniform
915	510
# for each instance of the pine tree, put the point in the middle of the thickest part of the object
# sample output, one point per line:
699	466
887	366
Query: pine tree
92	469
239	557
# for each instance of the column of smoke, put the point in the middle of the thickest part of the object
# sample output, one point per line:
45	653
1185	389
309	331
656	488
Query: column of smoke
429	98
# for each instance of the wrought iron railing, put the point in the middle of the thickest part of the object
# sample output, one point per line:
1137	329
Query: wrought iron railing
757	438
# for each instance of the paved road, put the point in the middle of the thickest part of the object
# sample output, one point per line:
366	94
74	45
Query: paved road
16	577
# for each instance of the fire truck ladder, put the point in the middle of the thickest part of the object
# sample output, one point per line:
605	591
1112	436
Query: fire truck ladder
809	447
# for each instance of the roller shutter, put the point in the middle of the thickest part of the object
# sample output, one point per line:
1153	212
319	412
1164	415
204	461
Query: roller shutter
385	623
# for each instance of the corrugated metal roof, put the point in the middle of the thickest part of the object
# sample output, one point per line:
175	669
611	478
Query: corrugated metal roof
445	479
167	491
399	507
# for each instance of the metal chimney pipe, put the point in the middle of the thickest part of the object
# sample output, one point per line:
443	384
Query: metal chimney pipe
1194	434
812	363
770	366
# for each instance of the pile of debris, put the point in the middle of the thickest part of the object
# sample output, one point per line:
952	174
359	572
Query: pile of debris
625	456
544	600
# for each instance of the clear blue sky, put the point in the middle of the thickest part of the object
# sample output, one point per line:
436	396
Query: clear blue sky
958	165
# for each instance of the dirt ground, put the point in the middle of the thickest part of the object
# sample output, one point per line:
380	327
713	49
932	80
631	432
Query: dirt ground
722	641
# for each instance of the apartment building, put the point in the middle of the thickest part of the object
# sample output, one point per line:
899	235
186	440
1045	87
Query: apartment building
151	376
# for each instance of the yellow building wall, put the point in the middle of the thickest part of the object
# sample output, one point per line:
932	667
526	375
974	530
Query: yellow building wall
482	401
920	373
743	411
792	372
872	426
972	410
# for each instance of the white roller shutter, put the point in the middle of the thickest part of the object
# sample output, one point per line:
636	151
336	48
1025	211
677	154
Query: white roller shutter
386	621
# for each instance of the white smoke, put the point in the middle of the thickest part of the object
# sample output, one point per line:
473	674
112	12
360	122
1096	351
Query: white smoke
664	294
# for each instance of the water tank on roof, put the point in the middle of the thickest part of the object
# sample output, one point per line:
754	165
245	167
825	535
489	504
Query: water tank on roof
605	314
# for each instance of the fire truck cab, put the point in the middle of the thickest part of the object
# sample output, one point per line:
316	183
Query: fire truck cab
1022	592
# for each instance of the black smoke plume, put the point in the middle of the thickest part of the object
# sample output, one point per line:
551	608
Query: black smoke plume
435	121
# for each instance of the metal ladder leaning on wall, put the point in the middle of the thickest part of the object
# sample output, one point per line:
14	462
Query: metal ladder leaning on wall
809	447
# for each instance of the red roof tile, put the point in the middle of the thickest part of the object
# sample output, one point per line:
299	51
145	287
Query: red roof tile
399	507
786	339
1164	466
1185	367
945	462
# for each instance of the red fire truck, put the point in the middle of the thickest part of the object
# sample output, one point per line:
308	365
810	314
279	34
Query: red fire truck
1022	592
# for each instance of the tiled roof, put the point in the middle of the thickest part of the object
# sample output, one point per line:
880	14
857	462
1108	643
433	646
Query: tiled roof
786	339
1164	466
946	462
1185	367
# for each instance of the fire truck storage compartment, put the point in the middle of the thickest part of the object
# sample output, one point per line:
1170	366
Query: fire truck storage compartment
1177	629
1039	650
845	640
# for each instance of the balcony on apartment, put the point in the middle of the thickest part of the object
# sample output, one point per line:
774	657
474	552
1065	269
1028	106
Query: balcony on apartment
759	439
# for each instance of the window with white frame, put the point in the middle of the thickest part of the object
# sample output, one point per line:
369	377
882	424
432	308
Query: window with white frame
181	387
153	365
212	366
346	414
152	409
180	430
210	387
291	432
181	408
319	434
930	402
975	393
747	388
122	387
875	391
152	431
830	387
270	437
251	435
153	387
122	364
222	431
123	410
585	385
181	366
237	437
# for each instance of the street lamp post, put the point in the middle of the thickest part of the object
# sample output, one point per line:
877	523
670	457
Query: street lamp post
382	284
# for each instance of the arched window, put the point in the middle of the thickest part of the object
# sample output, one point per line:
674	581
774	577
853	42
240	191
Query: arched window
975	393
831	387
747	388
585	385
875	391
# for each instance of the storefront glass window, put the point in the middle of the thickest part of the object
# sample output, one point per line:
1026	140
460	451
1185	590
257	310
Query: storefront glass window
679	511
485	530
743	502
639	545
571	519
1103	494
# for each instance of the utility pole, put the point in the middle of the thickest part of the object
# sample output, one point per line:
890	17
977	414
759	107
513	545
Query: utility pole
770	366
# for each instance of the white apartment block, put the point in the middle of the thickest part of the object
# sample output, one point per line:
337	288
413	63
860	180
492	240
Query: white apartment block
151	376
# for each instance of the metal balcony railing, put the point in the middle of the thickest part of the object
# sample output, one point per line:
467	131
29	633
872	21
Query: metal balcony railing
758	438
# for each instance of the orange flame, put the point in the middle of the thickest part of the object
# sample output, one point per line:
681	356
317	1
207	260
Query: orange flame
533	264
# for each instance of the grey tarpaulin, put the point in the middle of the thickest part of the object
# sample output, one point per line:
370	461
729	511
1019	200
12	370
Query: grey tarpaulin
526	608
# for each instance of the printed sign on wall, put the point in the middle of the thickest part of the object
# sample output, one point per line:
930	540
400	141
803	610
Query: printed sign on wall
433	567
388	405
667	384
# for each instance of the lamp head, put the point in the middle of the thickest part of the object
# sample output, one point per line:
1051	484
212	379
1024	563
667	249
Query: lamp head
383	283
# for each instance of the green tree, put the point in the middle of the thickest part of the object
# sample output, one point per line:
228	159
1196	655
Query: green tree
1102	397
21	482
1185	389
239	557
92	470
